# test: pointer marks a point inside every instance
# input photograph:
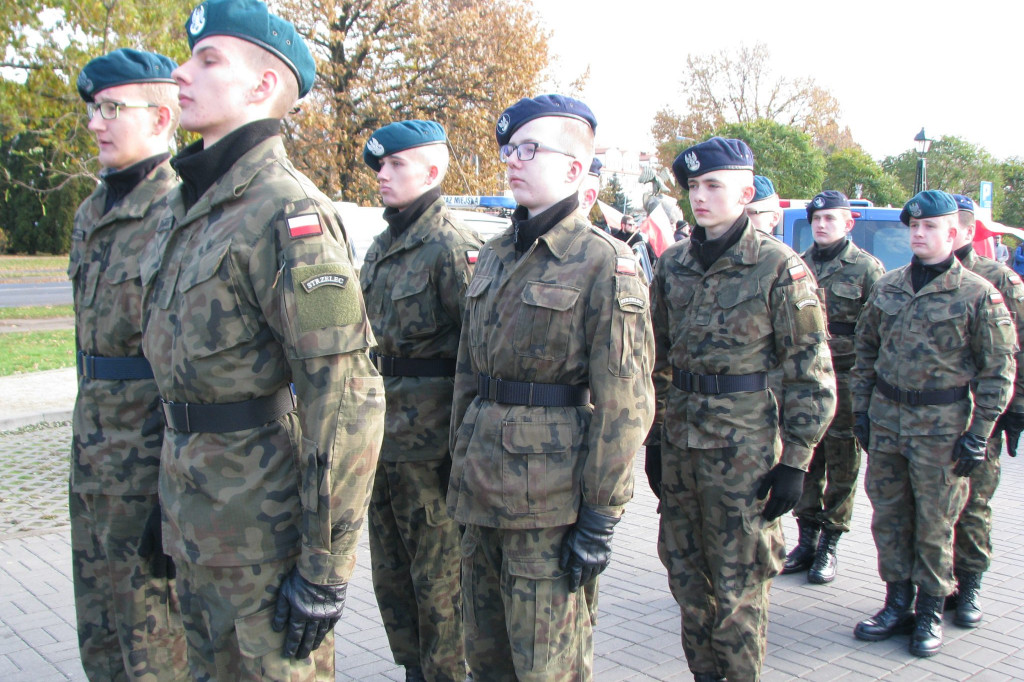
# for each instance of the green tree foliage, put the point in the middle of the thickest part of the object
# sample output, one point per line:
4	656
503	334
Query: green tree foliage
850	169
614	195
782	153
1009	210
954	165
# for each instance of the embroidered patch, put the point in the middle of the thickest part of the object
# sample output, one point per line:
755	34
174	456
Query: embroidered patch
797	272
304	226
325	280
78	235
804	302
1015	279
996	297
472	255
631	300
625	266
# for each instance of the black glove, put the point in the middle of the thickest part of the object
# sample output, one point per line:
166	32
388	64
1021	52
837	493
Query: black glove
786	485
587	547
151	547
862	429
309	610
968	453
652	467
444	475
1013	424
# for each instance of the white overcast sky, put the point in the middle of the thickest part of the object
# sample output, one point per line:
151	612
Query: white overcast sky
895	65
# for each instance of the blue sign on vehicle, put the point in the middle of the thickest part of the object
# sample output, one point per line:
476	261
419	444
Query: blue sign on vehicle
985	197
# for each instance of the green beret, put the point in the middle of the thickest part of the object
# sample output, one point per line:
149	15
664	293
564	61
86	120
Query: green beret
399	136
122	67
250	20
930	203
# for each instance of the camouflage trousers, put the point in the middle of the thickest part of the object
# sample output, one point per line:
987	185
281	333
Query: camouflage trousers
414	550
831	480
720	553
916	499
227	612
522	622
972	547
129	626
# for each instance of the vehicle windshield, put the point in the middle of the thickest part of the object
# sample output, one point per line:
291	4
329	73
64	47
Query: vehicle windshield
887	240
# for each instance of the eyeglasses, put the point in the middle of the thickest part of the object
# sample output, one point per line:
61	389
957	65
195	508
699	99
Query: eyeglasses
527	150
109	110
754	212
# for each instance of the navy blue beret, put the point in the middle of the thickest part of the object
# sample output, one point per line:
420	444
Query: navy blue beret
122	67
930	203
963	203
718	153
250	20
830	198
763	188
595	167
399	136
527	109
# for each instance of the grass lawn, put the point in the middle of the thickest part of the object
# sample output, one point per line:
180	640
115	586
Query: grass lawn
36	312
36	351
33	268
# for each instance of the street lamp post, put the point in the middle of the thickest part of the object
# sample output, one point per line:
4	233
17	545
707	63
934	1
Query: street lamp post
923	145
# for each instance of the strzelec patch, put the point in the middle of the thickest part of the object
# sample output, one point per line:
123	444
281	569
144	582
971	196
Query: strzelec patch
329	280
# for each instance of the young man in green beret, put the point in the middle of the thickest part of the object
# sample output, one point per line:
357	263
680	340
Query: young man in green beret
414	280
931	335
730	306
249	288
552	399
129	625
764	210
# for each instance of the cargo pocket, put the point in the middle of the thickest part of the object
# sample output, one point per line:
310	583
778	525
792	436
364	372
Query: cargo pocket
548	615
537	466
414	305
477	319
628	329
544	322
314	488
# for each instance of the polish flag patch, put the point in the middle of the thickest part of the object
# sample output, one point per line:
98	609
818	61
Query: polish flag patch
306	225
625	266
996	297
471	256
1015	279
797	272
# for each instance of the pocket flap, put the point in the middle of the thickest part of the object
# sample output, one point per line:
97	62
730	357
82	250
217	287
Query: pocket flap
536	437
477	286
414	284
534	569
551	296
256	637
847	290
730	297
204	269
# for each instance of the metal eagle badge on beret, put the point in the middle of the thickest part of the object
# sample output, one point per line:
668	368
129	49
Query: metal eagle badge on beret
692	162
503	123
914	209
818	202
375	147
198	20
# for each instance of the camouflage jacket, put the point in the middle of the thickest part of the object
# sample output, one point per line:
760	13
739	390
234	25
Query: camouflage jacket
756	309
571	310
415	292
1011	287
954	331
846	281
250	289
117	427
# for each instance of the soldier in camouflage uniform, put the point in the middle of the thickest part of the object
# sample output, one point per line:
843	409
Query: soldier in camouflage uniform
972	536
249	287
414	280
729	305
129	625
928	331
552	399
845	274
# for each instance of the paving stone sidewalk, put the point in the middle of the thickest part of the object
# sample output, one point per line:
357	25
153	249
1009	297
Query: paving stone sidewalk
637	637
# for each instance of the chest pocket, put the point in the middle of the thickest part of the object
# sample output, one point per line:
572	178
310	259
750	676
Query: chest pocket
478	321
84	277
211	317
945	327
545	320
415	305
844	301
742	317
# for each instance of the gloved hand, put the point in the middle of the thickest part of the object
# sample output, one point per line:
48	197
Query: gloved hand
652	467
786	485
1012	423
587	547
309	610
444	475
862	429
968	453
151	546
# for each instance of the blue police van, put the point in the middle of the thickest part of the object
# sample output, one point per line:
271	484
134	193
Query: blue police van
878	231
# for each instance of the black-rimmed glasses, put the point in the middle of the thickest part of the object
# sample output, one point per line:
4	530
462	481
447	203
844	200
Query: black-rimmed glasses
527	150
109	109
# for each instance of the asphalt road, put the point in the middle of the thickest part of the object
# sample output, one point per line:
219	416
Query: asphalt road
36	293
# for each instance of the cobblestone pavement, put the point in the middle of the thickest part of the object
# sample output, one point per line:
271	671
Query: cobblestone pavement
637	637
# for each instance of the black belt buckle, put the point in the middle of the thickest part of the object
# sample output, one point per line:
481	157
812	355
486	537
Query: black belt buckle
86	364
493	386
912	398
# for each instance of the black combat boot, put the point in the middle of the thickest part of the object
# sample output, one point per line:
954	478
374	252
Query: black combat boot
968	610
896	617
414	674
927	637
823	570
707	677
802	556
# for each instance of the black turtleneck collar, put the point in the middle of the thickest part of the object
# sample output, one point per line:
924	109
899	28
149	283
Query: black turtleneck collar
528	230
707	251
921	274
120	183
823	254
964	251
199	167
399	220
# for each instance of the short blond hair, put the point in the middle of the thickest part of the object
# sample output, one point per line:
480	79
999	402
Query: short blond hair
287	93
165	95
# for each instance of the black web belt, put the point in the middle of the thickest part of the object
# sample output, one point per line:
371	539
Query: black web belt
718	383
943	396
114	369
390	366
532	394
227	417
842	328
